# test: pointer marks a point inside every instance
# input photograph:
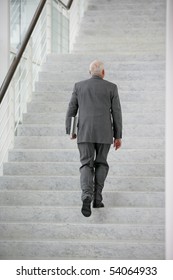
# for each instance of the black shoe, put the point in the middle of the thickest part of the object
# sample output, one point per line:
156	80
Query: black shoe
97	204
86	207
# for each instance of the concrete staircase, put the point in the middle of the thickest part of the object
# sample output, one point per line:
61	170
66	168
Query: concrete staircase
40	201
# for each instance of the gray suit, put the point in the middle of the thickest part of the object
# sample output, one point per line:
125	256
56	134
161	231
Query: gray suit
99	120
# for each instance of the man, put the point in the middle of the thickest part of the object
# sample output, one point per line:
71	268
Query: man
99	125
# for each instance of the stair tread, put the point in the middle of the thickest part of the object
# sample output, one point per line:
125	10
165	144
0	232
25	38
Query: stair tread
86	241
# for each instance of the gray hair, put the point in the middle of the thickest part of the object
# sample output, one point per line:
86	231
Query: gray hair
96	67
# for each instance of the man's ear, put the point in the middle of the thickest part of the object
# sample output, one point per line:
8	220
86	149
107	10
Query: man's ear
103	72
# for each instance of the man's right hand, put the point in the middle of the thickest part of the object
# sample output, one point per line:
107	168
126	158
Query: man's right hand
117	143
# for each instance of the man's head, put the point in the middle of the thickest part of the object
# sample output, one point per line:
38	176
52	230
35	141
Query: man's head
97	68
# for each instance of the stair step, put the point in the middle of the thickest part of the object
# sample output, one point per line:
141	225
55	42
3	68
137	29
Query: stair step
111	58
119	75
132	95
138	131
121	51
106	47
95	232
125	85
72	155
128	118
65	215
141	21
119	18
133	20
56	66
66	168
45	250
140	46
108	22
117	5
118	26
73	198
61	107
128	2
71	183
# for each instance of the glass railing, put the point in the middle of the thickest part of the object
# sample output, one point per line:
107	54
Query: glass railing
20	89
60	29
21	13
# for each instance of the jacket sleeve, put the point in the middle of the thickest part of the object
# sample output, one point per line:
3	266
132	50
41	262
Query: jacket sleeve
72	110
116	114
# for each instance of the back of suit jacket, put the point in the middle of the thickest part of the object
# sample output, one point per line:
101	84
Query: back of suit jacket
100	117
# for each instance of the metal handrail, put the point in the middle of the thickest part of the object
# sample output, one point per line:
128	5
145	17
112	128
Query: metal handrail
68	6
18	56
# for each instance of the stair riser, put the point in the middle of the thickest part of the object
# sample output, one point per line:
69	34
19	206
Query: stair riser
48	107
126	85
106	47
140	131
134	75
59	67
138	48
37	232
136	156
125	96
73	199
138	216
66	169
128	2
132	118
119	6
135	21
59	250
111	58
71	183
122	32
125	51
119	39
119	26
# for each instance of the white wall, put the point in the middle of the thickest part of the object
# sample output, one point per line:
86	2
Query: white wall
169	132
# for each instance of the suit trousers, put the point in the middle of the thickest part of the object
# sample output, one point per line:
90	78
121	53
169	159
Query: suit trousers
94	169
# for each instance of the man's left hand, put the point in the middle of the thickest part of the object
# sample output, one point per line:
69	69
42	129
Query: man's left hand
73	136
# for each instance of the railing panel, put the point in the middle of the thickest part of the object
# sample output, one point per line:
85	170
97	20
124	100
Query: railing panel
50	34
60	28
21	13
19	92
6	125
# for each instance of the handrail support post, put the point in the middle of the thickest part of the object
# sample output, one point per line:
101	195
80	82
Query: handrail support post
30	70
49	25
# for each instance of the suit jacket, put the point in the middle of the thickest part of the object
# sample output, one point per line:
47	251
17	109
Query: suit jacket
99	117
